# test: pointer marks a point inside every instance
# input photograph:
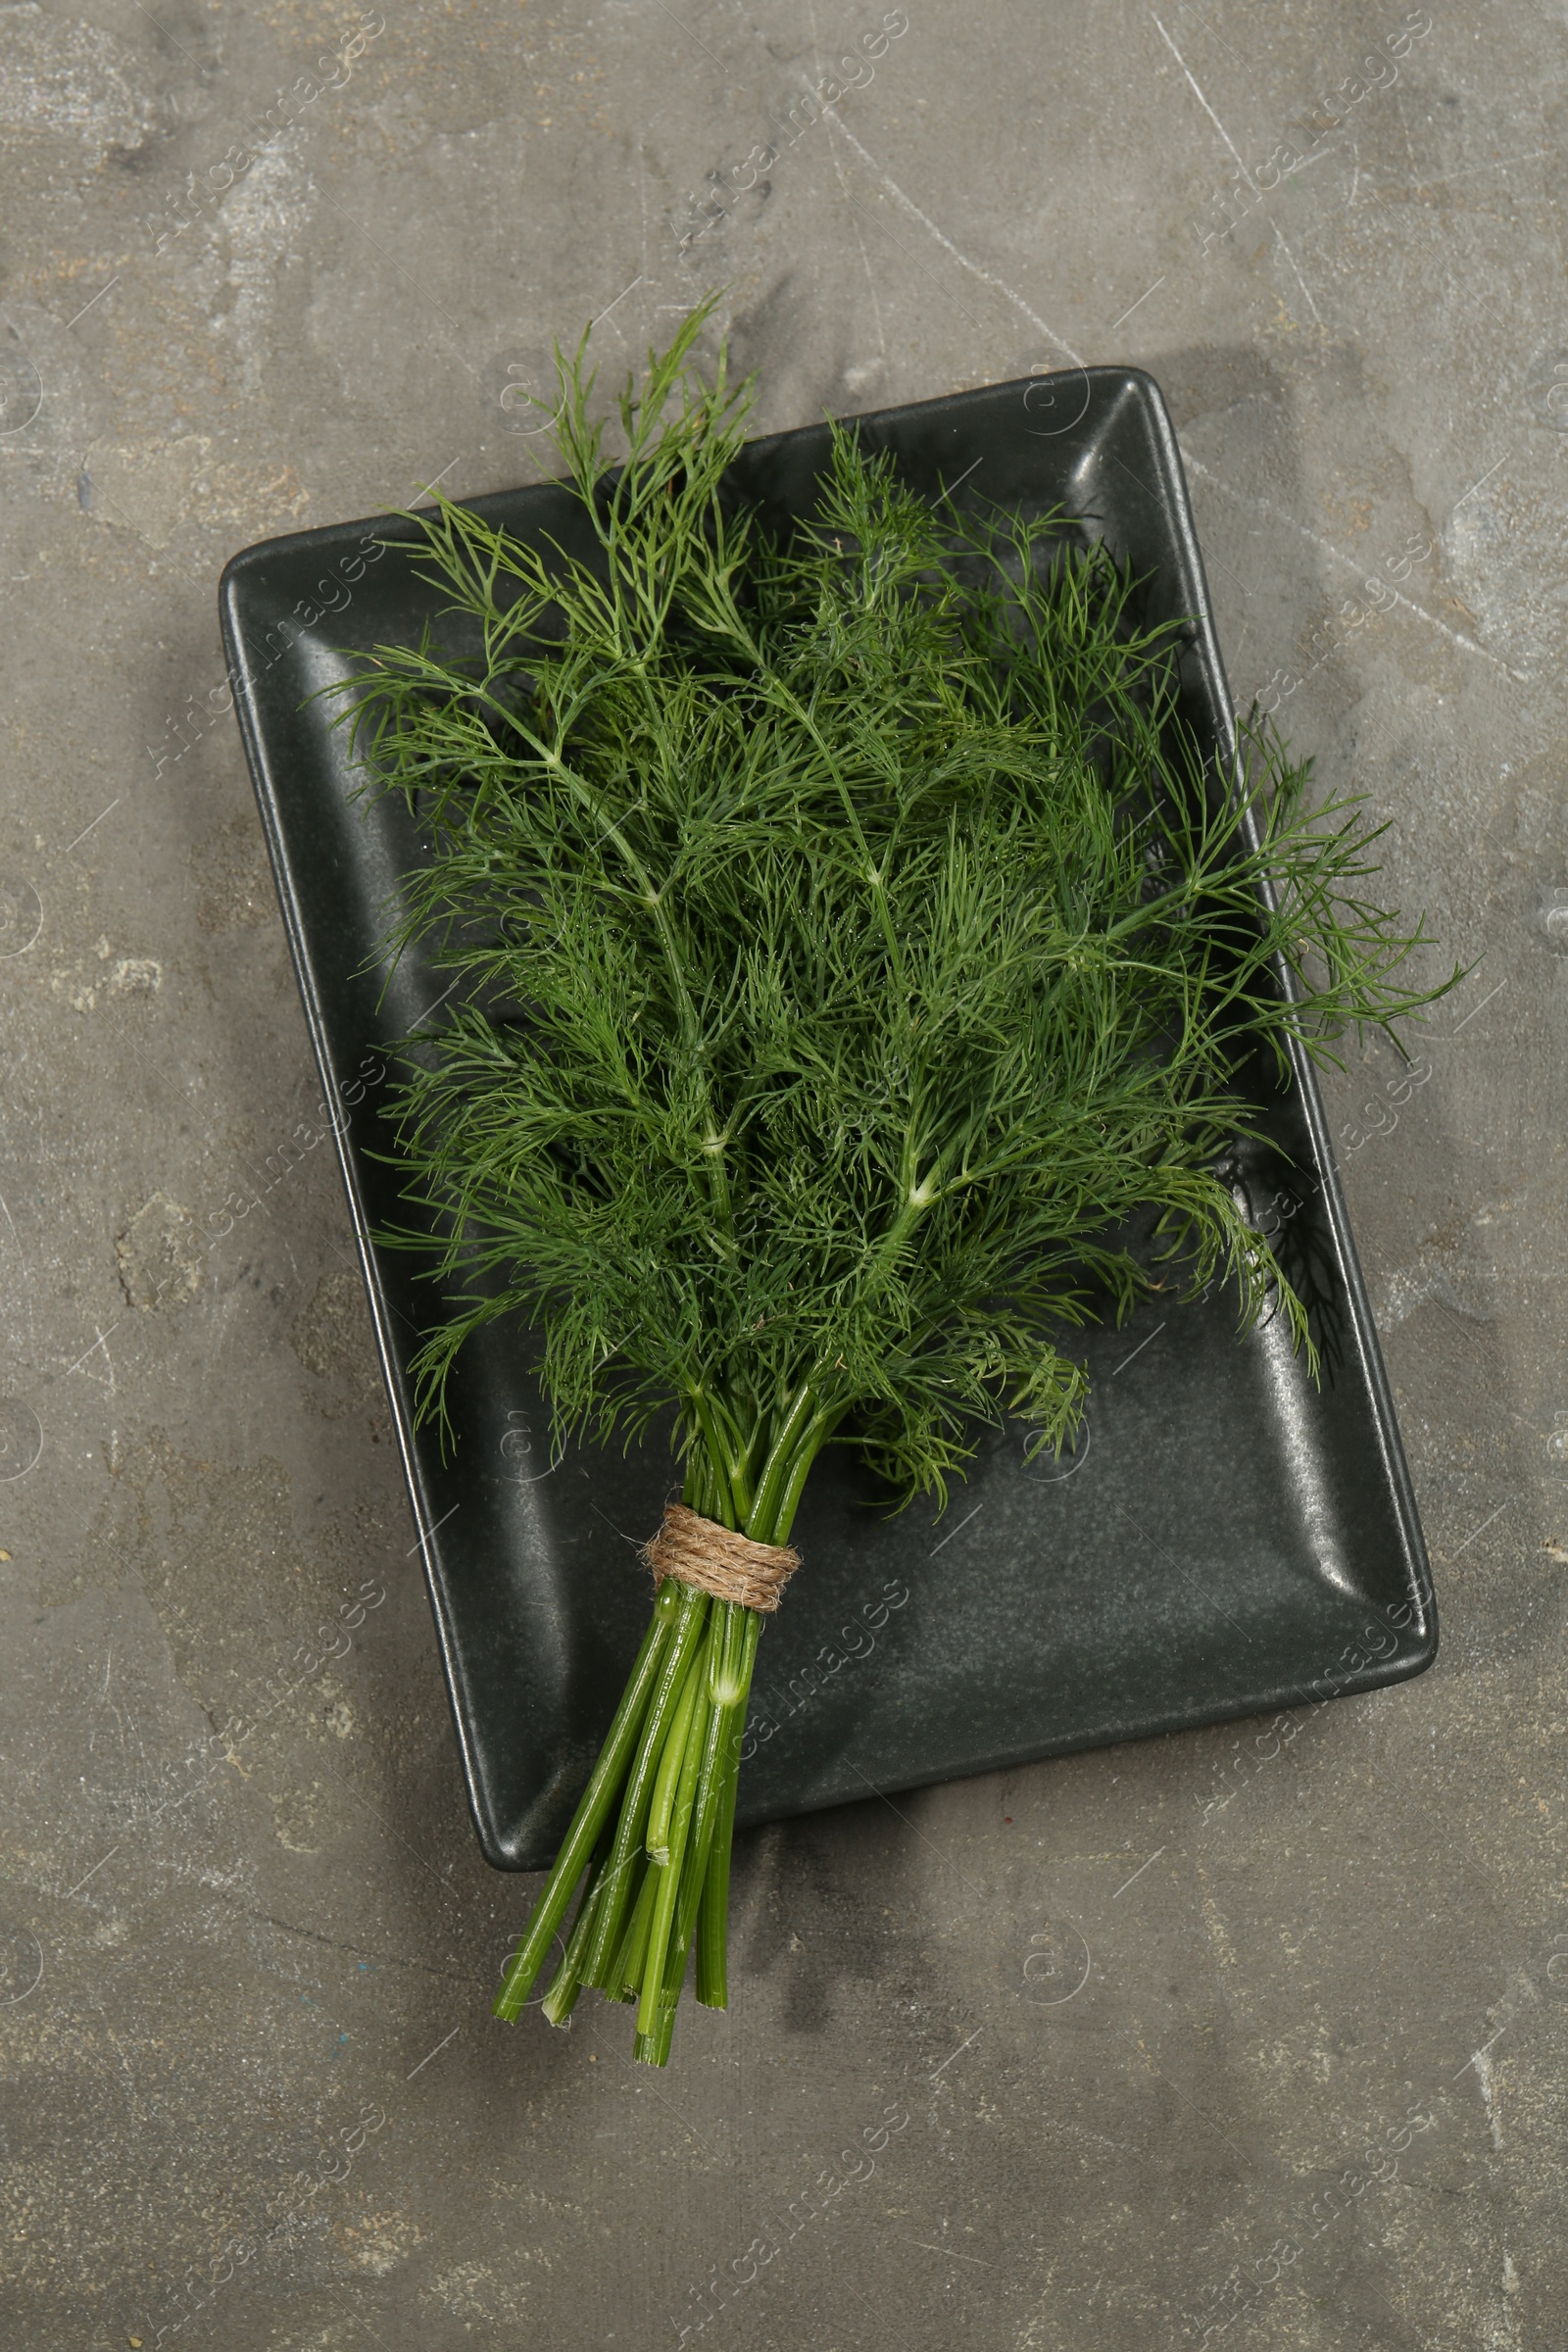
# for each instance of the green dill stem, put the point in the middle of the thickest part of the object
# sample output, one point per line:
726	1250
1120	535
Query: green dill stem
789	1502
669	1763
690	1609
692	1890
726	1494
622	1870
761	1520
705	1893
617	1892
625	1978
699	1493
713	1916
653	2049
701	1900
726	1687
805	1431
592	1810
560	1999
669	1875
729	1457
621	1875
684	1781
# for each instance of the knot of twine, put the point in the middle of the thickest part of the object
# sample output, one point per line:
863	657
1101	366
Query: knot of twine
699	1552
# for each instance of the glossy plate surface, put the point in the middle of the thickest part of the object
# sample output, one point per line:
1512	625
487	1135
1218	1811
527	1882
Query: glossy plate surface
1229	1540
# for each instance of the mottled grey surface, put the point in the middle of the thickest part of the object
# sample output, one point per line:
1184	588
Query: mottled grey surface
1259	2033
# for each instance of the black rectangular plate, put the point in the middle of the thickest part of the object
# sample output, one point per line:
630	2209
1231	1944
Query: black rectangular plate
1228	1540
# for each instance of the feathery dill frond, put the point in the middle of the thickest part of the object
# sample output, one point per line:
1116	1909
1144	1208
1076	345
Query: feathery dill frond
856	939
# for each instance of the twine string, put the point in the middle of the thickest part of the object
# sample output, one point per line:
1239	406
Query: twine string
699	1552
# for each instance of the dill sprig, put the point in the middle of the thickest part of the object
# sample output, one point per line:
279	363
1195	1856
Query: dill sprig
852	950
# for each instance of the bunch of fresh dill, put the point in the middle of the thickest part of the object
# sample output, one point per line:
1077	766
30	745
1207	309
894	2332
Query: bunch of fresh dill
855	944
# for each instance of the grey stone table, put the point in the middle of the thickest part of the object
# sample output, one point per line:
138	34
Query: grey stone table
1151	2015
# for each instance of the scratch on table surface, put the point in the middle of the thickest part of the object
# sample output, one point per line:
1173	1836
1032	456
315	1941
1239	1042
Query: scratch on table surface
1483	2064
1266	506
1317	315
866	258
975	268
1239	165
1203	103
26	1273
